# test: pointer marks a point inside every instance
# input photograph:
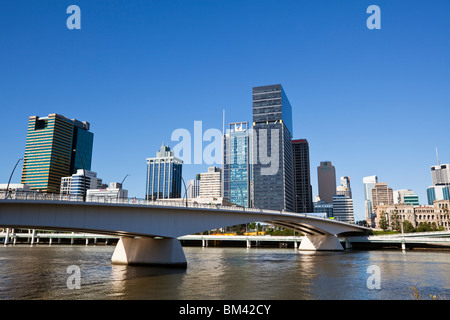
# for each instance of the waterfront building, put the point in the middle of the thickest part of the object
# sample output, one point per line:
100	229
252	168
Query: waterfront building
193	187
369	183
164	175
236	165
326	175
80	181
56	147
394	214
272	167
211	183
343	208
114	191
302	177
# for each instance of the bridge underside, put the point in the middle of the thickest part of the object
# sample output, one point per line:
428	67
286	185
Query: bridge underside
142	227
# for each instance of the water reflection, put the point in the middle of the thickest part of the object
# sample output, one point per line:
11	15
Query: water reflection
40	272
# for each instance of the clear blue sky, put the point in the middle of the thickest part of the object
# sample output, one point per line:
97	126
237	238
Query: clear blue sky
371	101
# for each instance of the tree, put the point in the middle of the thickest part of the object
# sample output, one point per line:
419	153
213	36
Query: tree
383	222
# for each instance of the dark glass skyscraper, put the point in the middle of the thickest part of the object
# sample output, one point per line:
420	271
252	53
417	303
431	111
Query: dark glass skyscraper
302	177
164	175
272	149
49	151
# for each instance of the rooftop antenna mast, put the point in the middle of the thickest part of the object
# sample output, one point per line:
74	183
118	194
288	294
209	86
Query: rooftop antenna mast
437	157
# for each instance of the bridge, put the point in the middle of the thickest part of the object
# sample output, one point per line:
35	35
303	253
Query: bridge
149	230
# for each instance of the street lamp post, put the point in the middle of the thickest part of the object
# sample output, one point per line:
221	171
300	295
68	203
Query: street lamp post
9	181
84	175
121	185
185	189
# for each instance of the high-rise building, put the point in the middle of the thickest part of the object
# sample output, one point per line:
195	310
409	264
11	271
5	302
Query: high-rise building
236	164
437	193
211	183
193	187
326	175
80	182
114	191
344	189
56	147
272	167
369	183
440	174
164	175
382	194
343	208
302	177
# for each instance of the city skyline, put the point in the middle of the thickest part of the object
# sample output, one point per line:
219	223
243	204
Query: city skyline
364	99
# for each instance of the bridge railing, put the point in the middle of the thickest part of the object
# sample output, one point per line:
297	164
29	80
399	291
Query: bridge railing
34	195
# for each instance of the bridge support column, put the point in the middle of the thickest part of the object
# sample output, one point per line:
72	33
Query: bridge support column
148	251
321	243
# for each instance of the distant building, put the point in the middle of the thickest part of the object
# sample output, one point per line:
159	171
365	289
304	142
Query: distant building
440	174
114	191
382	194
344	189
321	207
343	209
369	183
326	175
56	147
436	193
164	175
193	187
302	177
77	183
211	183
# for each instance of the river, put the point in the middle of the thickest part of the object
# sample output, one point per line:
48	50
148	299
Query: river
46	272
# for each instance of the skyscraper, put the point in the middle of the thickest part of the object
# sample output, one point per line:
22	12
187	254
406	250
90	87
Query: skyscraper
343	208
272	168
302	178
326	175
369	183
211	183
193	187
382	194
344	189
236	164
56	147
440	174
164	175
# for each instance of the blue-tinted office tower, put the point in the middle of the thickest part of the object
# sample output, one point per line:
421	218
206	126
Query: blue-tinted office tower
164	175
236	164
272	158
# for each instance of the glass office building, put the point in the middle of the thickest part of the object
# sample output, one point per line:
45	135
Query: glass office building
236	166
49	151
164	175
302	178
272	158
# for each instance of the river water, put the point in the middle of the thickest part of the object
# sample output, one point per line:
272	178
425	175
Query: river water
41	272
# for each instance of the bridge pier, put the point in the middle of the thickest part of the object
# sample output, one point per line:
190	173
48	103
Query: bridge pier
321	243
148	251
